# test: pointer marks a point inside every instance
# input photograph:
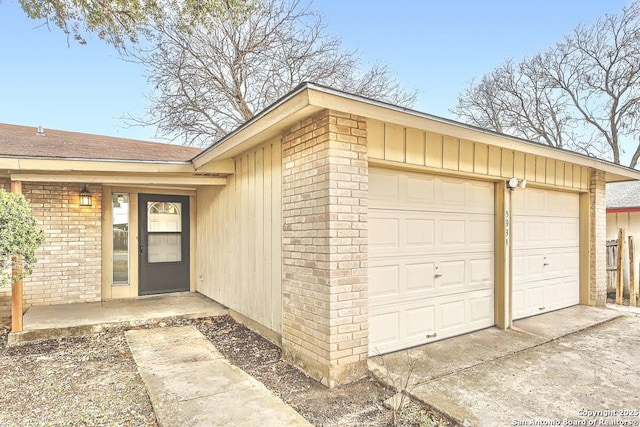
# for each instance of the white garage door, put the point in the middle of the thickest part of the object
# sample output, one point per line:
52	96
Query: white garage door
546	251
430	258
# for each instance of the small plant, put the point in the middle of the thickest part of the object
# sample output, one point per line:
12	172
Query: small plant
20	237
403	384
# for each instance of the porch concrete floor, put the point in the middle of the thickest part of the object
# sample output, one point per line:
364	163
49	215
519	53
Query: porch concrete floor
58	321
548	367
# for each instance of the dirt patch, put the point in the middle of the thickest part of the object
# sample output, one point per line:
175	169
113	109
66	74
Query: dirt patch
86	381
356	404
93	380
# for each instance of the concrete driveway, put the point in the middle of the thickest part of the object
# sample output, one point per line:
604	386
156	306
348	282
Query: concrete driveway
559	368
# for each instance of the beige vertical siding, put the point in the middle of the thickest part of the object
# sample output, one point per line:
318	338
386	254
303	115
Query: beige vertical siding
239	245
394	143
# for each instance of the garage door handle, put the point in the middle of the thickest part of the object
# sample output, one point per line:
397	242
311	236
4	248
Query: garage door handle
541	308
546	263
432	335
437	275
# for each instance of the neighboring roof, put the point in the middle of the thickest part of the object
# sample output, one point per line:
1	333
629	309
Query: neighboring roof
623	195
23	141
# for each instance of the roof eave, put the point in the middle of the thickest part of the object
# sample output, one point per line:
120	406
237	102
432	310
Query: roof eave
284	110
310	97
34	163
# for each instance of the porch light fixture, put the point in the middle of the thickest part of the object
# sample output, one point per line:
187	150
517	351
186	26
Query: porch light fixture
514	183
85	196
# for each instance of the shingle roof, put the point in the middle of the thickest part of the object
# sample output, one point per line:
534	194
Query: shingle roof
623	195
23	141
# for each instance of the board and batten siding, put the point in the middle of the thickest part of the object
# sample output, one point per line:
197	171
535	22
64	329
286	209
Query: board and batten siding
441	153
239	245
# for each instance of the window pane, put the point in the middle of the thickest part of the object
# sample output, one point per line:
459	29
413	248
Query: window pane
164	217
120	210
165	247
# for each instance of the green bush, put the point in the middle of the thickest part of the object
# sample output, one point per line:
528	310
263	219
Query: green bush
20	235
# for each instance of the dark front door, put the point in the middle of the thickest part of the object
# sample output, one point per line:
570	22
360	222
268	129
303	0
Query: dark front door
163	245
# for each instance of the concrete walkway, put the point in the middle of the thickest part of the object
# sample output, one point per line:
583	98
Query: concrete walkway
191	384
59	321
548	367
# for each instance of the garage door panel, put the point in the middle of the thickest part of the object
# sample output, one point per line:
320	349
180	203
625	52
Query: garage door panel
420	232
481	309
421	190
481	272
384	186
408	232
402	325
571	231
548	232
384	233
401	278
384	280
452	232
420	321
452	274
431	271
481	232
527	301
481	197
420	276
546	256
450	317
555	262
453	195
384	328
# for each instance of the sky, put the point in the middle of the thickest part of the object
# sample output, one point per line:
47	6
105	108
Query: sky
436	47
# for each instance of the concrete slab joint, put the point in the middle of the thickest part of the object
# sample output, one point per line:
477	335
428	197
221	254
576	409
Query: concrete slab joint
325	196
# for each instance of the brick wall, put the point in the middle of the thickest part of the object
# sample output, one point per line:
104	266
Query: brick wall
68	267
325	318
598	236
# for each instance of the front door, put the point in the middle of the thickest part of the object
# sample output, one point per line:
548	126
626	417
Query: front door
163	245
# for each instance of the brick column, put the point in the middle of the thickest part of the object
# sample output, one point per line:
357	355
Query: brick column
325	195
598	237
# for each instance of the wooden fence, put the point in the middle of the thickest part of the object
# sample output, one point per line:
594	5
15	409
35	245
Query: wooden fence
621	260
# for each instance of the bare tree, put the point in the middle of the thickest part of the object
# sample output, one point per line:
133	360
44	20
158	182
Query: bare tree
582	94
512	100
210	78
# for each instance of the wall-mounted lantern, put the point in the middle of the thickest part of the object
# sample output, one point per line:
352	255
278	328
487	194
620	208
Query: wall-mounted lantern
85	196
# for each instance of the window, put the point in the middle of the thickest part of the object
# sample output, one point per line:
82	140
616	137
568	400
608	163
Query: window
164	227
120	222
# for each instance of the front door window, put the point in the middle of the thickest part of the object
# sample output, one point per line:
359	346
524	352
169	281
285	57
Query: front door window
164	227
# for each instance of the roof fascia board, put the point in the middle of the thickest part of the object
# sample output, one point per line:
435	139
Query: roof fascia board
624	210
334	100
58	165
281	110
120	179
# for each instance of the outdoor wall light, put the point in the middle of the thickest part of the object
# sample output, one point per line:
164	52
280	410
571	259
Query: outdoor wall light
513	183
85	196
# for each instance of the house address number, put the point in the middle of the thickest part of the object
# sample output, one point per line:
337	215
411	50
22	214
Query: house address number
506	228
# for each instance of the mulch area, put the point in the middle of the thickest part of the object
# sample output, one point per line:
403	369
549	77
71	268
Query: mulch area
93	380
